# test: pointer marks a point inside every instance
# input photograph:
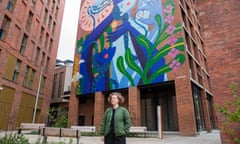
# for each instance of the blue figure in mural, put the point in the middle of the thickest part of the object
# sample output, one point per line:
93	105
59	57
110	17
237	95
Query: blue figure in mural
146	12
121	11
87	52
100	58
129	25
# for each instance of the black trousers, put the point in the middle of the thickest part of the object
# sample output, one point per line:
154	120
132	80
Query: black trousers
112	139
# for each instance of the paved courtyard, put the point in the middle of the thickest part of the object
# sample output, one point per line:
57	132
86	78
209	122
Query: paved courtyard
203	138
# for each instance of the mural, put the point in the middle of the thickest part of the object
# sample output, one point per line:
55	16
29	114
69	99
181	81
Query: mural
123	43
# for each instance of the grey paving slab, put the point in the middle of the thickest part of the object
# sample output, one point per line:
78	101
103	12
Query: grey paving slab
203	138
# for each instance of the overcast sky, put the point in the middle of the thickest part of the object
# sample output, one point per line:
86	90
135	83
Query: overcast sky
69	30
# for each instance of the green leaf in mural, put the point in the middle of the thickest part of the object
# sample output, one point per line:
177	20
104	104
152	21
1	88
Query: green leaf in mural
102	39
165	50
121	67
161	35
77	90
170	3
80	44
142	40
131	62
108	30
178	28
172	65
158	20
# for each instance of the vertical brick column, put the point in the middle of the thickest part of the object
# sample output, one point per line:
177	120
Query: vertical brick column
185	107
134	106
73	108
98	108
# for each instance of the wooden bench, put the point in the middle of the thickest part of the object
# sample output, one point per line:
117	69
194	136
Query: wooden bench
138	130
85	128
60	132
31	126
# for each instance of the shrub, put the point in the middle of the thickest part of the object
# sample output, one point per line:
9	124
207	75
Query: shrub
57	117
14	139
232	113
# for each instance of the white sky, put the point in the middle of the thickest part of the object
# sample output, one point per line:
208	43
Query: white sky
68	34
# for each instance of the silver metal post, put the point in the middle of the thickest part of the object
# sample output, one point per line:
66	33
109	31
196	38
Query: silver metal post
38	90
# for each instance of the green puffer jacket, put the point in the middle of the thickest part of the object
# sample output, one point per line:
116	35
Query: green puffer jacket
121	121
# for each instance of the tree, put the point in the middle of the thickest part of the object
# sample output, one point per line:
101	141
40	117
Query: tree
231	111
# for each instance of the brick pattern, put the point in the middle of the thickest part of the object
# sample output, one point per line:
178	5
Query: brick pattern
73	108
220	28
134	106
183	84
11	45
98	109
185	105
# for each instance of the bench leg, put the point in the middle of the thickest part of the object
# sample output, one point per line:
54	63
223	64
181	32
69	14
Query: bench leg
39	131
19	131
77	140
44	140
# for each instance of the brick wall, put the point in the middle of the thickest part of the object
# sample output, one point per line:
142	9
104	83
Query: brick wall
10	45
221	32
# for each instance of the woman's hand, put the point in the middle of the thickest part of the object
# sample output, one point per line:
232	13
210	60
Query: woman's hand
102	138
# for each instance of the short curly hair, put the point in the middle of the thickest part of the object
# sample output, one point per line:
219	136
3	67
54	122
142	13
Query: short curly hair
119	96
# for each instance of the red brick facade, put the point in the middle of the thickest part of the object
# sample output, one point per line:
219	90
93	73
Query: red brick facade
26	18
185	96
220	28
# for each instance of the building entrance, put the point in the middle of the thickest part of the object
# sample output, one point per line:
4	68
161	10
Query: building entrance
161	94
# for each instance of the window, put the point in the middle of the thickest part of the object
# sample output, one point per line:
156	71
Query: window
199	74
43	57
205	63
23	44
54	90
31	78
43	80
29	20
41	34
47	2
53	28
16	71
11	5
191	68
81	120
50	46
196	51
4	28
198	107
49	22
45	16
56	12
36	55
61	83
26	74
33	3
53	5
46	40
47	63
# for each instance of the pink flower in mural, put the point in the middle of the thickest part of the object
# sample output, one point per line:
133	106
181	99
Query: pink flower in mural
170	29
172	40
169	19
173	52
175	65
168	9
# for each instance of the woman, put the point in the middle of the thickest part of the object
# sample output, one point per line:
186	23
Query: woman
115	122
